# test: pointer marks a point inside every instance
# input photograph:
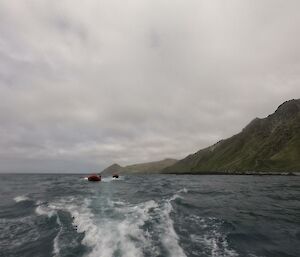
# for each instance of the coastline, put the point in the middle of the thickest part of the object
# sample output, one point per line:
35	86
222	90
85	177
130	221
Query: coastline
237	173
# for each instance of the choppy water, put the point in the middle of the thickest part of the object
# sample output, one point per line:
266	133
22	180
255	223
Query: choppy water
64	215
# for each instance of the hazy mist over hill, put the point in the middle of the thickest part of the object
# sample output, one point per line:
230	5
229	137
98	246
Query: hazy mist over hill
87	84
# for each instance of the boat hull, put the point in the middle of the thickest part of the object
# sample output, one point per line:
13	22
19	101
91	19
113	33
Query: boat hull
94	178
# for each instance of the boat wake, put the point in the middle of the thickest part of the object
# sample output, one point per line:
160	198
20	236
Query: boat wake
117	228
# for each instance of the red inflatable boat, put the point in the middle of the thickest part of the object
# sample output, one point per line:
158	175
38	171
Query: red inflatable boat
94	177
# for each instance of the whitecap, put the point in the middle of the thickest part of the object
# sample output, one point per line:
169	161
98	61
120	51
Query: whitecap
56	248
44	210
183	190
51	210
178	194
169	236
110	179
21	198
174	197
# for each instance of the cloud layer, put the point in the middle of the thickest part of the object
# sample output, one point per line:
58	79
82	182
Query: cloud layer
85	84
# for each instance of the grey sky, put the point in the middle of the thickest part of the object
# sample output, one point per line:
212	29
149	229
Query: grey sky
84	84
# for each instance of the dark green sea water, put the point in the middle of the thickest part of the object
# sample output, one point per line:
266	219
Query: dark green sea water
65	215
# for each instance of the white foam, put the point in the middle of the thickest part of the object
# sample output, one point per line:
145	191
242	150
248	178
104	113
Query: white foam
44	210
213	241
183	190
178	194
175	196
218	247
169	236
124	233
107	236
50	211
110	179
21	198
56	248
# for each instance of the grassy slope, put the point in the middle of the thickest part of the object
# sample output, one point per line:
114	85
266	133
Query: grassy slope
141	168
150	167
270	144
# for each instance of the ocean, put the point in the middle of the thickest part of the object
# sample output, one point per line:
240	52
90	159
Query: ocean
154	215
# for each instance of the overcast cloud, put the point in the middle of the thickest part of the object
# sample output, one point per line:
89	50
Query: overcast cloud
84	84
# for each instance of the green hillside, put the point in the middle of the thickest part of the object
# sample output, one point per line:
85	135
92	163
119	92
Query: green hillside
271	144
141	168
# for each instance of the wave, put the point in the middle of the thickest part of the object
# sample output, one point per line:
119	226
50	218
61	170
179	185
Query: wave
212	240
21	198
183	190
56	248
44	209
170	238
178	195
